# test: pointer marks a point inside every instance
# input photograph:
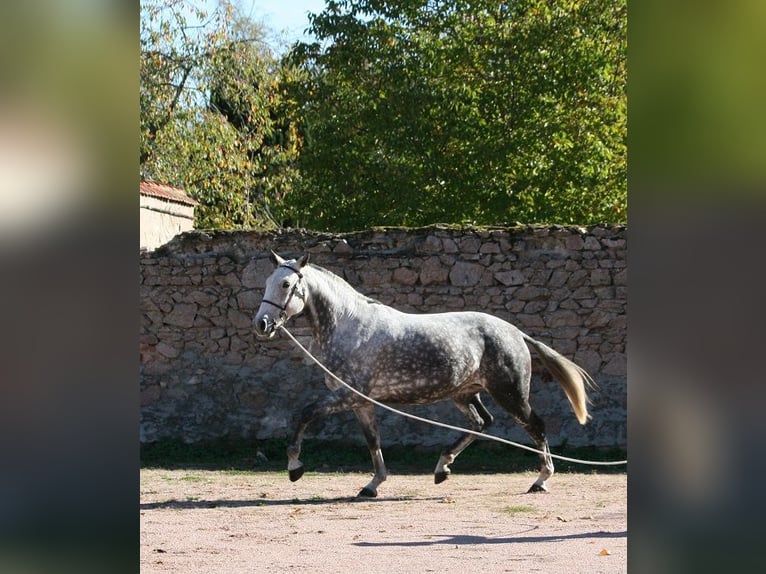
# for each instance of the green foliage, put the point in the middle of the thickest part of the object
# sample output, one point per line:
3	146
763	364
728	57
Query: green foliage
332	456
417	112
212	113
412	113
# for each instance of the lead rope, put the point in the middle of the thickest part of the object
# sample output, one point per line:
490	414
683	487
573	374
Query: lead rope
437	423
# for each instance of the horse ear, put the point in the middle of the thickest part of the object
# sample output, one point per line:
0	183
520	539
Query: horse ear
303	261
276	259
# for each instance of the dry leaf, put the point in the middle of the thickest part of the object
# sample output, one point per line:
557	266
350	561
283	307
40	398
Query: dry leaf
604	552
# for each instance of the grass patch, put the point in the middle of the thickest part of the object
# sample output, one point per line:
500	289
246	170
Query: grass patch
333	456
519	509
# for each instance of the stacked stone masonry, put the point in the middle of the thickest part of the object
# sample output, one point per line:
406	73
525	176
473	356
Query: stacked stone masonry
204	375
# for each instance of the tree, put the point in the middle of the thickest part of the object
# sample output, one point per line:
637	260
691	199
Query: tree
212	113
419	111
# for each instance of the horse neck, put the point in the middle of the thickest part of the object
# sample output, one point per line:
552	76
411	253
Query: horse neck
329	299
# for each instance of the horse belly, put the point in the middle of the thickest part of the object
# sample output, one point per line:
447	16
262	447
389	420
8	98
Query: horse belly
427	375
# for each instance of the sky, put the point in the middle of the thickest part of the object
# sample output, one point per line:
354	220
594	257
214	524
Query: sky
285	18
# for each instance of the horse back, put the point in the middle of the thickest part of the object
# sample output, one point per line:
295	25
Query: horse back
410	359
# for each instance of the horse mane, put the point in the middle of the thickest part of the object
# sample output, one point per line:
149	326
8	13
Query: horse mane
340	283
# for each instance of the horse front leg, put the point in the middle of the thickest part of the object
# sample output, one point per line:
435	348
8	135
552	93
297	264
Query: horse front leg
366	416
328	406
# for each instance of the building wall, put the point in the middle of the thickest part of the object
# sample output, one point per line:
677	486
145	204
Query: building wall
204	375
162	220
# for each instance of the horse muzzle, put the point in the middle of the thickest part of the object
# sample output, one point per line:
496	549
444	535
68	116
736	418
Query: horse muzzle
265	326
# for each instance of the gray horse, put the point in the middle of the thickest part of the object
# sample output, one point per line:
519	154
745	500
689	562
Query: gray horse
408	359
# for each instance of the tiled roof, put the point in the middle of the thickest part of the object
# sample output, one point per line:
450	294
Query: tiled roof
166	192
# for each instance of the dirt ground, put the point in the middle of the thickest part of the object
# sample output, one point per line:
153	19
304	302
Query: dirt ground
216	521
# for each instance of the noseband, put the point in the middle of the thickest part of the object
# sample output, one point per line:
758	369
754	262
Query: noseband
283	308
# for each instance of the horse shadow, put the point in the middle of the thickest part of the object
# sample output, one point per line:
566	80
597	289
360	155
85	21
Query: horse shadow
266	502
428	540
469	539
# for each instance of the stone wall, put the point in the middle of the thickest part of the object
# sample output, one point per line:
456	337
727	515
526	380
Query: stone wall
204	375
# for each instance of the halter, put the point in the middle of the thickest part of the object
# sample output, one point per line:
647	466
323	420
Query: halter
283	308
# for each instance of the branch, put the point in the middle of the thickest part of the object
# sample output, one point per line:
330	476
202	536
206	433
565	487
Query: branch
179	88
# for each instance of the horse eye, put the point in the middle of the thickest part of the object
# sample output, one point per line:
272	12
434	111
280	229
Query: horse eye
286	285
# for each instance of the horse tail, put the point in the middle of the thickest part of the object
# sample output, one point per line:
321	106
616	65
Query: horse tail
572	378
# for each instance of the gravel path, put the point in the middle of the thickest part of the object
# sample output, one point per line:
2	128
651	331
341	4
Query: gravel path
195	521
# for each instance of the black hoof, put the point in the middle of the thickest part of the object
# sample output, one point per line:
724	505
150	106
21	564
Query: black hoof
295	473
537	488
440	477
367	493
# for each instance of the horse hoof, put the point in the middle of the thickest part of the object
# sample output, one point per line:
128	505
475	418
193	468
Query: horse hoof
537	488
367	493
295	473
440	477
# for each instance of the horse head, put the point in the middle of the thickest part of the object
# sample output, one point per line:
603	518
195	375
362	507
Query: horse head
283	297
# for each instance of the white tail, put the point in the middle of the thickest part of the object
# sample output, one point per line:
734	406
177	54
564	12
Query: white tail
572	378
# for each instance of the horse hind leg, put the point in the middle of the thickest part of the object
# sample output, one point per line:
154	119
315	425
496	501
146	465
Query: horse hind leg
536	430
535	427
366	417
523	414
480	419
